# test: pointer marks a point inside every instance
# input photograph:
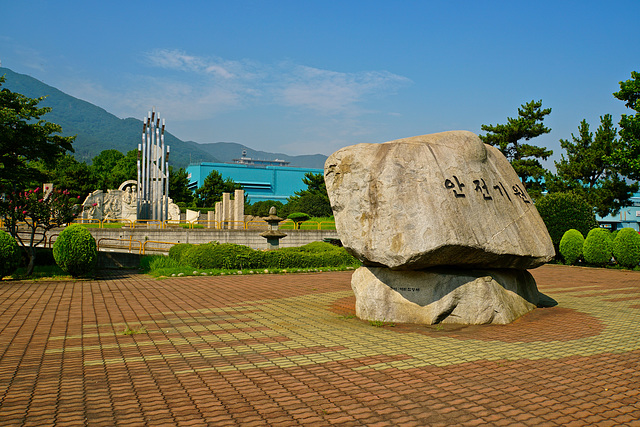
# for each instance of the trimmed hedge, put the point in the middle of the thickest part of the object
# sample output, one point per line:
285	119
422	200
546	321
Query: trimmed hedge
564	211
298	217
571	246
232	256
626	248
75	250
597	247
177	251
9	254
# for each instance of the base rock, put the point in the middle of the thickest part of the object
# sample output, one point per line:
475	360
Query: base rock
441	295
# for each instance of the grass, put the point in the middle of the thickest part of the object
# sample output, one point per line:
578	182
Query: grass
106	225
41	272
381	323
181	271
347	317
129	331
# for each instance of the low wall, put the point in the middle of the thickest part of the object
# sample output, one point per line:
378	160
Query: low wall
249	238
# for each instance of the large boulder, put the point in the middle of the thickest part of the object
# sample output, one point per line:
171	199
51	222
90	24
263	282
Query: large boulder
441	295
432	200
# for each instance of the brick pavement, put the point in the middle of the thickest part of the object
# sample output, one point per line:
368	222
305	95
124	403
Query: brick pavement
287	350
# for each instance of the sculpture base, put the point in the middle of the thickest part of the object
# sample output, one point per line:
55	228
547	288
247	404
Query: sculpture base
441	295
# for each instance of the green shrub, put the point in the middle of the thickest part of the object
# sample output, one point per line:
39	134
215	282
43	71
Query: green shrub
214	255
597	247
571	246
318	247
626	248
232	256
177	251
313	255
9	254
75	250
564	211
298	217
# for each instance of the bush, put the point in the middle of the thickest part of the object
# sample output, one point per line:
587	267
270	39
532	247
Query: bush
626	248
597	247
9	254
232	256
214	255
312	255
318	247
75	250
177	251
564	211
571	246
298	217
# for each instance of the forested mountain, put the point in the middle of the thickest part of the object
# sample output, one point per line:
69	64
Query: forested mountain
99	130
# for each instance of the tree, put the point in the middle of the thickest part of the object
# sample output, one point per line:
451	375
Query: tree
212	188
589	170
262	207
314	200
39	209
179	186
102	167
627	155
564	211
74	175
523	157
25	137
125	169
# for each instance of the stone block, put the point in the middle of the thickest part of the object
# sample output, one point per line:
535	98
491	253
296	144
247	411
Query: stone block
434	200
441	295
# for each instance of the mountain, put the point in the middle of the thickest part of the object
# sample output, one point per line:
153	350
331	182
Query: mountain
97	130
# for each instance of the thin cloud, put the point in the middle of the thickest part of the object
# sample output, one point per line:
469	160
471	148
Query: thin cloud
286	84
24	55
332	92
212	66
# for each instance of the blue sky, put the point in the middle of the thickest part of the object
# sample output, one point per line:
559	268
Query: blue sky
306	77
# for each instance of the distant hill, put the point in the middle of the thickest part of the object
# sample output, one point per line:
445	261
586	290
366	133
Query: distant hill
99	130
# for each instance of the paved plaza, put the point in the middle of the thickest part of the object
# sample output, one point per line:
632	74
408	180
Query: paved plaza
286	349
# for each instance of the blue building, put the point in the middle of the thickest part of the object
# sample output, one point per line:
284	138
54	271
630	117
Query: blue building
261	179
627	217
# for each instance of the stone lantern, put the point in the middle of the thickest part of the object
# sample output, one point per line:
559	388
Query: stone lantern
273	235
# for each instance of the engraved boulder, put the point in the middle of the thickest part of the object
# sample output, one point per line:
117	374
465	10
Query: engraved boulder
444	295
445	199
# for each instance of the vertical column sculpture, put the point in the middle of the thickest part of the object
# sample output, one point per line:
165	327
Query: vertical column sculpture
226	210
153	170
238	209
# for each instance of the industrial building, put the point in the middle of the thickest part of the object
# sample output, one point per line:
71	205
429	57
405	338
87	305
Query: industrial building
627	217
261	179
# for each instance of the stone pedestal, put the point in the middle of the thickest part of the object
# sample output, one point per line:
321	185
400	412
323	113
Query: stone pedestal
273	235
442	295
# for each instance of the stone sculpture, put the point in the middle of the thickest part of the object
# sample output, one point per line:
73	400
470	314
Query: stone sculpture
120	204
410	207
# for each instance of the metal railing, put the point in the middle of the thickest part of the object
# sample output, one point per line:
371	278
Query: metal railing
206	224
129	244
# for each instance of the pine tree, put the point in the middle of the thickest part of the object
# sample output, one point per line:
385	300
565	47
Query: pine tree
627	155
523	157
589	170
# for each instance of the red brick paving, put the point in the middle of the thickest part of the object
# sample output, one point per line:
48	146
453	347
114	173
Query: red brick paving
209	354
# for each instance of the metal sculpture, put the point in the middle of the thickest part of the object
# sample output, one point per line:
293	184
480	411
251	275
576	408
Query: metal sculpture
153	171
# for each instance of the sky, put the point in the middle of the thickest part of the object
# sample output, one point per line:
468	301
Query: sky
308	77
